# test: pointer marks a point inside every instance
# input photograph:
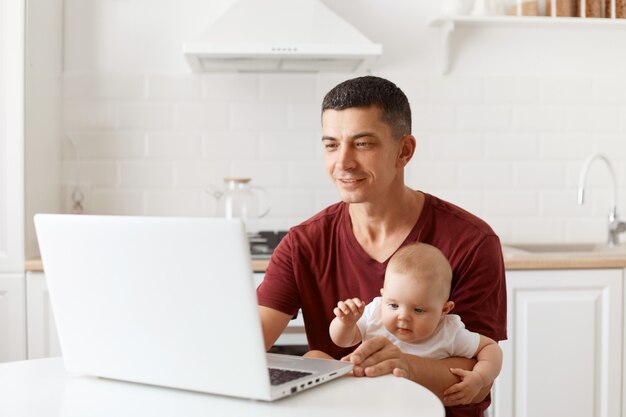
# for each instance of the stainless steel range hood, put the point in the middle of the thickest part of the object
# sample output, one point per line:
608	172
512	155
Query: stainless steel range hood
281	36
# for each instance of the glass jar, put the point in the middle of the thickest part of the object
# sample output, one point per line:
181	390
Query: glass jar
562	8
620	9
592	8
522	8
239	199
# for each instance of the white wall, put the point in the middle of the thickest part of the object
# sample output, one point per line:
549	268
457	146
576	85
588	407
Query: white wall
42	113
503	134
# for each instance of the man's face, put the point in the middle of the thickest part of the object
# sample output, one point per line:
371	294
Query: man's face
360	154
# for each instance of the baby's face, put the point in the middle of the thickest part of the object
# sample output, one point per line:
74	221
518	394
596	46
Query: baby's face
411	307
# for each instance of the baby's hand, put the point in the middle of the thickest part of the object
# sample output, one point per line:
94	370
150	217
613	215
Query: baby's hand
349	311
464	391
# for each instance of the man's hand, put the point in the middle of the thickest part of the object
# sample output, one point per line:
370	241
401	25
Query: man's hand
378	356
349	311
466	390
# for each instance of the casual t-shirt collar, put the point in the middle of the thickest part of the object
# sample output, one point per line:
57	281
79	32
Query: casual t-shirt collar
420	228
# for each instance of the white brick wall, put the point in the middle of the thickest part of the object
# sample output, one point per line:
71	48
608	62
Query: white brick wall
173	87
144	115
174	145
507	148
511	90
508	144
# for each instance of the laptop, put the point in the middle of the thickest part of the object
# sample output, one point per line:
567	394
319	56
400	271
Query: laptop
165	301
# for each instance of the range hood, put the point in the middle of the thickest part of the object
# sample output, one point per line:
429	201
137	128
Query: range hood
280	36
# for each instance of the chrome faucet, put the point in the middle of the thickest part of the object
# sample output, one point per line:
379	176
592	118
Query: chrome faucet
615	225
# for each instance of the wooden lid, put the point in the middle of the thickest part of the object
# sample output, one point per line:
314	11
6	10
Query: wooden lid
237	179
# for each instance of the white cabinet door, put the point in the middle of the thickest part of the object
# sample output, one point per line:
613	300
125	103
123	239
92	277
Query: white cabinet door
563	356
43	341
12	318
12	136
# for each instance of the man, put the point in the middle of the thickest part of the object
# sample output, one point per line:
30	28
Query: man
342	251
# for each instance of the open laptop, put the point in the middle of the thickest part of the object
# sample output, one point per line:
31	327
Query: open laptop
165	301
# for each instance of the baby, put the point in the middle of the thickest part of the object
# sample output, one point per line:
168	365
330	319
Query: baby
412	313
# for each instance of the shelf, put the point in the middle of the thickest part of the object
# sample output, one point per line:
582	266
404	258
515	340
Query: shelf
544	21
449	24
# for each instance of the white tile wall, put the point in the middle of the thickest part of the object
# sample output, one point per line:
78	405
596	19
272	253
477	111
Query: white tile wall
174	145
511	90
146	174
199	174
456	147
566	90
612	90
201	115
144	115
539	118
154	139
153	144
511	146
173	87
538	175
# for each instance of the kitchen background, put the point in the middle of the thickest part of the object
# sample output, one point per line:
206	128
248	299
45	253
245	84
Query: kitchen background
112	111
502	134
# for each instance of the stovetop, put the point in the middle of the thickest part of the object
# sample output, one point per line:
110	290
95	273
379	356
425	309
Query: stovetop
263	243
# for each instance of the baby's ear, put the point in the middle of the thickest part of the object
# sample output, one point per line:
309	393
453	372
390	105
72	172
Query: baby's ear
447	307
381	291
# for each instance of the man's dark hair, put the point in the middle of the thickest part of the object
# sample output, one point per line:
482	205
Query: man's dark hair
373	91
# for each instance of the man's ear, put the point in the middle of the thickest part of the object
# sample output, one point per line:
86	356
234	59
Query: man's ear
447	307
407	149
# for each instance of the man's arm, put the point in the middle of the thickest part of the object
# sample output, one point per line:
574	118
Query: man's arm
273	323
378	356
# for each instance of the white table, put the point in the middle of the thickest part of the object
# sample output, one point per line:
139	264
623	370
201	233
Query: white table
42	388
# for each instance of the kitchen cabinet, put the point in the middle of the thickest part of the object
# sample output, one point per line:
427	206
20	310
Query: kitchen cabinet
43	341
12	318
563	356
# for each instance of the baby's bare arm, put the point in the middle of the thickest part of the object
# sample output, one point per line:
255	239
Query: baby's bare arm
487	368
489	357
343	329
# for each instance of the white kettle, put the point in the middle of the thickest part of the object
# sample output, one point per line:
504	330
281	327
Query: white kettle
239	199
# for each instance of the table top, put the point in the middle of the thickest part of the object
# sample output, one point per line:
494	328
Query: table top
42	388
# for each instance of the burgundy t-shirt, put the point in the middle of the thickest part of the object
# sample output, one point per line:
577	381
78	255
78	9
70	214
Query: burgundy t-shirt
320	262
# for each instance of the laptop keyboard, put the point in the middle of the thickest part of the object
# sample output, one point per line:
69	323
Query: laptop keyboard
280	376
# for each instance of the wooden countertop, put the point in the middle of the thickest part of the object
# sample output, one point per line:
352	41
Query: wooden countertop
513	260
563	256
563	261
35	265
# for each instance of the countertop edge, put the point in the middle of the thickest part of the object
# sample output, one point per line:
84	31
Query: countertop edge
510	264
529	263
35	265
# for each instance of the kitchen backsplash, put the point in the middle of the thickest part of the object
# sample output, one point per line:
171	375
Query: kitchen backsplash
504	134
506	148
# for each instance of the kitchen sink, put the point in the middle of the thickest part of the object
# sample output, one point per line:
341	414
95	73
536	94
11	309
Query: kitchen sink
563	249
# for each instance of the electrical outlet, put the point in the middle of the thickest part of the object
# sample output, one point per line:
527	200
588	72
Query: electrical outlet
76	198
